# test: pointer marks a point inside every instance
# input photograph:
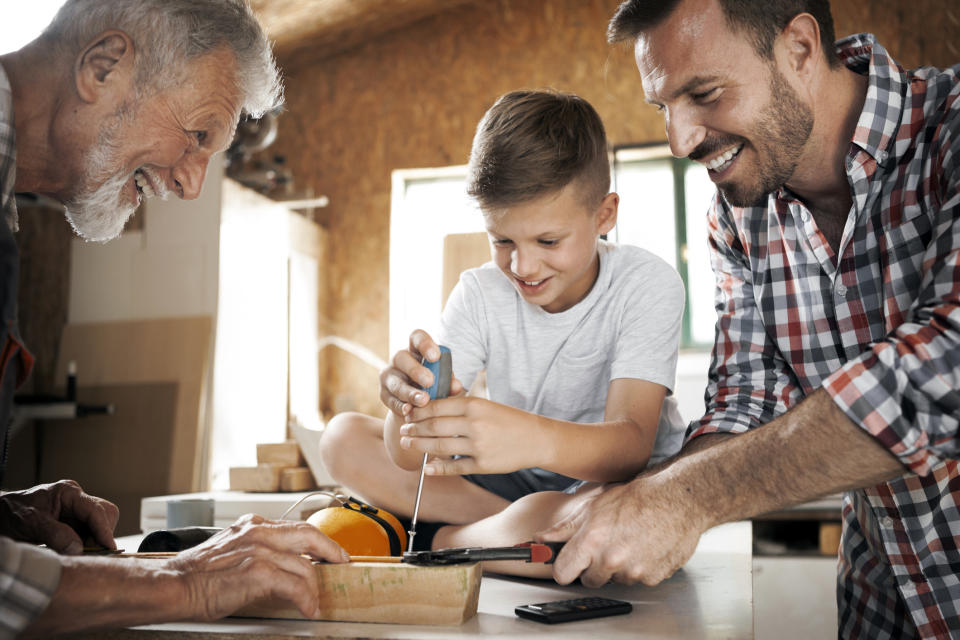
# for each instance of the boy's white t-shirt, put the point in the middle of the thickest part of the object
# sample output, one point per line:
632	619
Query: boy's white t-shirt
560	365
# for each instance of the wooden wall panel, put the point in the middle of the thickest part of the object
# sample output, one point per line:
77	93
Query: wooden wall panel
135	352
123	457
412	99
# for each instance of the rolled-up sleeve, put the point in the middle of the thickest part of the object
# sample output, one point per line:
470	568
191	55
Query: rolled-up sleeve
749	382
905	389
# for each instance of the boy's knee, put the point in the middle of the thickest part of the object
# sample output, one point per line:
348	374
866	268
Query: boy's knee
338	434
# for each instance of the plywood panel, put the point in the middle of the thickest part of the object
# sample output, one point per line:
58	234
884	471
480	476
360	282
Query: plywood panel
462	251
173	350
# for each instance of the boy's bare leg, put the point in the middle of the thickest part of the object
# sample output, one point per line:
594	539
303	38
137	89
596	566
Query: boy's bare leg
354	454
515	524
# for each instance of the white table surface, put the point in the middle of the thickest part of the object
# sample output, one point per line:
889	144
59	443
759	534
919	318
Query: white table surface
711	597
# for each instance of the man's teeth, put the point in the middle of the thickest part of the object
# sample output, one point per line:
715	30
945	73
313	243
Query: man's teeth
531	284
722	161
143	183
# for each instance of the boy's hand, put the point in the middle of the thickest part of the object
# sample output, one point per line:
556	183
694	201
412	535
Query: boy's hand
491	437
402	383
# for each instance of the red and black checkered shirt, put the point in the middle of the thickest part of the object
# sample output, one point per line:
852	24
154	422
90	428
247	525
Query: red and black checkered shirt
877	325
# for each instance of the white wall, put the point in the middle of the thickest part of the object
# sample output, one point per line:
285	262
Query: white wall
250	360
169	269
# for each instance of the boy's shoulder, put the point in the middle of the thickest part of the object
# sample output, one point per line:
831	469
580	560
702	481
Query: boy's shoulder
636	276
633	260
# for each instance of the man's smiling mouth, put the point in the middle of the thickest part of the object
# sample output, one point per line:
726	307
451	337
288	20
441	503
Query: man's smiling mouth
721	162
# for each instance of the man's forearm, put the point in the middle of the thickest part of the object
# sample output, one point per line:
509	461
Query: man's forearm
811	451
101	592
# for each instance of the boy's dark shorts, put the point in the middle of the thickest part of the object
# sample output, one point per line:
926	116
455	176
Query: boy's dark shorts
511	486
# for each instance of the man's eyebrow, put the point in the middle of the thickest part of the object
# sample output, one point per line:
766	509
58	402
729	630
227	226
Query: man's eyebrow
688	86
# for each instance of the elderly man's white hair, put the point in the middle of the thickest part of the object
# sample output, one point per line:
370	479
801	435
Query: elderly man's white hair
168	34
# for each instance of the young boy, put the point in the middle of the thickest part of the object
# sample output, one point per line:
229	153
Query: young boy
578	337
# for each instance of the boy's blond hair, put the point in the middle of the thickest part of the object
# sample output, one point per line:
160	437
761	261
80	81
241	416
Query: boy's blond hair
532	143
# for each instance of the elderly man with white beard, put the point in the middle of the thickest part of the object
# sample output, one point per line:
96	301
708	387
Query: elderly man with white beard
114	102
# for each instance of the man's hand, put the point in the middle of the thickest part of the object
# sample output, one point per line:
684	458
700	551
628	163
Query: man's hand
402	383
491	437
253	559
59	515
629	533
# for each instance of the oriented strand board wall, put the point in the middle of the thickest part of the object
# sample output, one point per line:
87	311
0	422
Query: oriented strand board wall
412	99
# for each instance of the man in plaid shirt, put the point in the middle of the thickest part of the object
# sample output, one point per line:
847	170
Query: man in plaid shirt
835	239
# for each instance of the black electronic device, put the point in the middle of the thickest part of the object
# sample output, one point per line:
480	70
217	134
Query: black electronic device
575	609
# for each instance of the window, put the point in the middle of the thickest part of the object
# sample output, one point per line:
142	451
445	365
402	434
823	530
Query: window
663	205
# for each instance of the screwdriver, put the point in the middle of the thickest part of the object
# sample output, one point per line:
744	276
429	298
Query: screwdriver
442	371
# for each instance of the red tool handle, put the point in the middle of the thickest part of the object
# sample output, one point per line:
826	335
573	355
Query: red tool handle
545	552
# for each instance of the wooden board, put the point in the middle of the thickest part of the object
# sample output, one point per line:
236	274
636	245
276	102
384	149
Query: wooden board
462	251
123	457
263	477
391	593
296	479
285	454
175	350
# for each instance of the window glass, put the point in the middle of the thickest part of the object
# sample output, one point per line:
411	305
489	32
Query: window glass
647	208
698	192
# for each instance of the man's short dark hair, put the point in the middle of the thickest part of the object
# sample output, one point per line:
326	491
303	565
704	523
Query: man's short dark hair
761	20
532	143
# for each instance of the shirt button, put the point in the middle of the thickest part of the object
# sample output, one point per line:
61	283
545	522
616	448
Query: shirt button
841	290
804	215
886	522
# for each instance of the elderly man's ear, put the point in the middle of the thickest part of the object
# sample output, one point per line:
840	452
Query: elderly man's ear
105	66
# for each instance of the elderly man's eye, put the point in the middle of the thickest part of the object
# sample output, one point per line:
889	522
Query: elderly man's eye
201	136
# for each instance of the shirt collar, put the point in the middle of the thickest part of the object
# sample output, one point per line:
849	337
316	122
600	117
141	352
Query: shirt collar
8	154
883	107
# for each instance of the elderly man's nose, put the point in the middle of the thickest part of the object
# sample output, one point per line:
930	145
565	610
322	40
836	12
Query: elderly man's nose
189	175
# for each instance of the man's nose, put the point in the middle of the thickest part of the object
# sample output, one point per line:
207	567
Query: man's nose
189	174
684	133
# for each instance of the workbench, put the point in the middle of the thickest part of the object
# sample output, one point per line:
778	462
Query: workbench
711	597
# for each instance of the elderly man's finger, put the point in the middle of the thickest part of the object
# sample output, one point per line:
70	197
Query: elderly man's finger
58	536
98	515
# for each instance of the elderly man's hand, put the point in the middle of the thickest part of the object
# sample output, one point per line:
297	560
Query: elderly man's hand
252	559
59	515
629	533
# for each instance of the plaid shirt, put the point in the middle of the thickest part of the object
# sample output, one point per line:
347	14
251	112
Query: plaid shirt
29	575
877	326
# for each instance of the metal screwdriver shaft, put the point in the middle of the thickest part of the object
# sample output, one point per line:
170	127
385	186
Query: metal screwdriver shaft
442	371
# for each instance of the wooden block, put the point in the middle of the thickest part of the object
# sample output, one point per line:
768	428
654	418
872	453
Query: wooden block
263	477
830	538
284	454
296	479
388	592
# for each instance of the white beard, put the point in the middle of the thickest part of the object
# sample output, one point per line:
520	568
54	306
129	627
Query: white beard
101	215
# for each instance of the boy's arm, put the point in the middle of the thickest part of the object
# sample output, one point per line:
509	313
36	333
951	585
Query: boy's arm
495	438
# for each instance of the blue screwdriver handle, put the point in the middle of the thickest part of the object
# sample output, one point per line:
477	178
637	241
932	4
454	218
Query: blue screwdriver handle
442	371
